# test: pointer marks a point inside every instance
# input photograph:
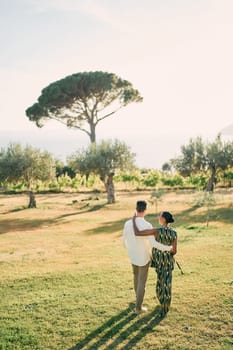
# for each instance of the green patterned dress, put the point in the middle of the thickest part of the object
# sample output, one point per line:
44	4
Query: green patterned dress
163	262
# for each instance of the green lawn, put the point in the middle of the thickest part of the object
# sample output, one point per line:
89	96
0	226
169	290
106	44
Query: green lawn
66	280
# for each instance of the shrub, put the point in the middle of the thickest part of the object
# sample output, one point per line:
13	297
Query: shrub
151	179
198	181
172	180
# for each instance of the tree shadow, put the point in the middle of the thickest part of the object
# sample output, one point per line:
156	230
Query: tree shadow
184	215
125	327
108	227
221	215
215	214
86	207
9	225
23	207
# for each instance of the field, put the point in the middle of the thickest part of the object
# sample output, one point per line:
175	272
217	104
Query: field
66	280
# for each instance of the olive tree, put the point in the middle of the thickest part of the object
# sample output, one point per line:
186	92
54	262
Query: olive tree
82	100
210	158
27	165
103	159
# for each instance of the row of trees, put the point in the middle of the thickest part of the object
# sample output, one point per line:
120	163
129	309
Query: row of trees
29	164
111	160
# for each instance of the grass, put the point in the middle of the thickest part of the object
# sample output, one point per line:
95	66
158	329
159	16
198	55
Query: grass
66	281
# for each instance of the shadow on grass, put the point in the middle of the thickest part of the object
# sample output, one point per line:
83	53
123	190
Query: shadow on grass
24	207
215	214
108	227
9	225
87	208
221	215
125	327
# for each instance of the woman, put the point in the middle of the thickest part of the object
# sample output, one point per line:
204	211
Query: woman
162	261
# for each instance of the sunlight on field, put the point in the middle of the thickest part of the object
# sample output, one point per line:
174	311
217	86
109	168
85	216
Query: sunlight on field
66	281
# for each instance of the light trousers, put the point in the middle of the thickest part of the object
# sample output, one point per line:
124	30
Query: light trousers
140	274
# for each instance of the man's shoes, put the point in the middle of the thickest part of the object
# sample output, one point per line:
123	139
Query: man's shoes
140	311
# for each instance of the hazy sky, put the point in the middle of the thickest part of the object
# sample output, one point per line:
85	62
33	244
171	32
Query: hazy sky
177	53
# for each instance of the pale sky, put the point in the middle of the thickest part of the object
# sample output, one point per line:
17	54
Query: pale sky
177	53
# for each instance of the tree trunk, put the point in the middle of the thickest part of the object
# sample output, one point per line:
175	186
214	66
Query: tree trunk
110	189
92	133
211	181
32	200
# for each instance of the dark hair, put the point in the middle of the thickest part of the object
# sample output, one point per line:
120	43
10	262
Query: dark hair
167	216
141	206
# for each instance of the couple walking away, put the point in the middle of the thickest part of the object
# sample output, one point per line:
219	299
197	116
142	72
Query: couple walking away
148	246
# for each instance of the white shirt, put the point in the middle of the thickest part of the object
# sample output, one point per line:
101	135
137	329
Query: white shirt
139	247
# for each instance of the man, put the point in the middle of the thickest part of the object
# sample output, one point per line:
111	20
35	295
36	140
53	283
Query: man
139	250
